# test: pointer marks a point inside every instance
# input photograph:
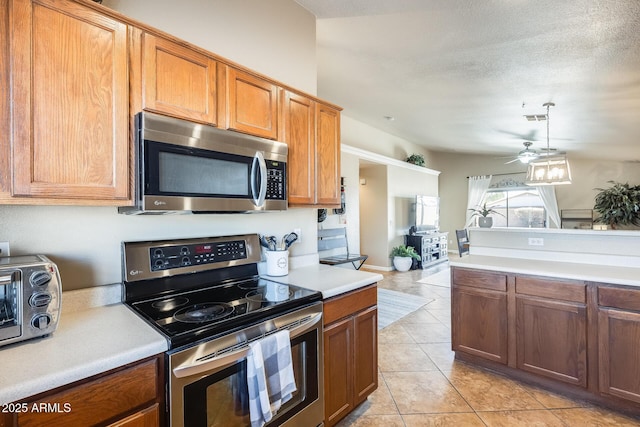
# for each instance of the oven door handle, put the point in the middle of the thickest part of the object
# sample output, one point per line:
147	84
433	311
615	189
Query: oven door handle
232	357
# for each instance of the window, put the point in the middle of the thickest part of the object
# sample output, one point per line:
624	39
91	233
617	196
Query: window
521	207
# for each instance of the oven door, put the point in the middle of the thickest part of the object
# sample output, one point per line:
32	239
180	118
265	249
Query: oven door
208	382
10	306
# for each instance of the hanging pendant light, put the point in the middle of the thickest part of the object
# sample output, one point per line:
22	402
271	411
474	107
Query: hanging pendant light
551	170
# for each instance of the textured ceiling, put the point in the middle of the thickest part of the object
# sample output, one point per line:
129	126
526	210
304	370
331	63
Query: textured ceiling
459	75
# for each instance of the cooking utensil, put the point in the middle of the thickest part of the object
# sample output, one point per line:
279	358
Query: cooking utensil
264	242
288	239
273	243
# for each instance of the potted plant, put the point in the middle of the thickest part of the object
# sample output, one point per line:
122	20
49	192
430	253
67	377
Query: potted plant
618	205
482	212
416	159
403	257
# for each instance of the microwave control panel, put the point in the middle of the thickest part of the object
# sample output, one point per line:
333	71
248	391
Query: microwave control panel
276	180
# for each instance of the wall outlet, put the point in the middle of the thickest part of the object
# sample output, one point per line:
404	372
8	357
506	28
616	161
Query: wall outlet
4	249
536	241
299	233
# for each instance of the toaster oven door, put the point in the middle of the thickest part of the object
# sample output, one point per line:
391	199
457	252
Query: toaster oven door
10	305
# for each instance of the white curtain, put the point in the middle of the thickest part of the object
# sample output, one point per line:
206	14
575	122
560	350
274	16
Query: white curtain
478	186
548	196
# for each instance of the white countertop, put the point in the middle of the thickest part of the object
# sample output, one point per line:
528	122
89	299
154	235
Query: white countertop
329	280
590	272
103	337
85	343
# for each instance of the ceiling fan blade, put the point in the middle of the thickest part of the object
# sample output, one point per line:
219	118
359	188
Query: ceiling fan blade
511	161
531	136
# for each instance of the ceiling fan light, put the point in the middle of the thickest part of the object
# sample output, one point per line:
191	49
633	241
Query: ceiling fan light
550	171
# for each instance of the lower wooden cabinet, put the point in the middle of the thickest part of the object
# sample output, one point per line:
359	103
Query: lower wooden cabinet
479	314
126	397
573	336
551	328
350	351
619	342
149	417
479	322
552	339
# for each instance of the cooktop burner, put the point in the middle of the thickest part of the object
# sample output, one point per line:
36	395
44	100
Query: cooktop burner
201	313
188	299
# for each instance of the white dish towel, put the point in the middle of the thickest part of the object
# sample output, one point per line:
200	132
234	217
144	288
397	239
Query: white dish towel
269	376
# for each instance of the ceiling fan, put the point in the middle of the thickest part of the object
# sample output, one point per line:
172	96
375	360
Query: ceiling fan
528	154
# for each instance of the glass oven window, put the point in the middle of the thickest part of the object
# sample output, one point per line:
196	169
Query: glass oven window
8	306
222	400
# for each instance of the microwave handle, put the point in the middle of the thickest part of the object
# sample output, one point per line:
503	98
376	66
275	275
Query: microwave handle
258	166
218	362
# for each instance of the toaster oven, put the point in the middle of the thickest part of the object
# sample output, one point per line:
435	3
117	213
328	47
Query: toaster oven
30	294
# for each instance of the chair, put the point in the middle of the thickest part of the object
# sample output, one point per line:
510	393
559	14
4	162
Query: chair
463	242
336	238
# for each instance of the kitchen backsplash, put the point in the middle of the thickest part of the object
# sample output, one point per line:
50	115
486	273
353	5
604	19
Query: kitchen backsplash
85	241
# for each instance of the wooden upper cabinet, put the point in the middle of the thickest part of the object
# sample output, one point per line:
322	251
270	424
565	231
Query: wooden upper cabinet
178	81
70	102
299	134
327	155
251	104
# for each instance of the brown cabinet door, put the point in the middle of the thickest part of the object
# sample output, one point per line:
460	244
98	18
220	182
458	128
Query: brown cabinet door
149	417
70	102
338	370
99	400
328	156
552	339
252	104
178	81
365	354
479	322
619	350
299	134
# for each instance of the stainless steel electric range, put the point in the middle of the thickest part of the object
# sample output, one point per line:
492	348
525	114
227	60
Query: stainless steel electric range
206	297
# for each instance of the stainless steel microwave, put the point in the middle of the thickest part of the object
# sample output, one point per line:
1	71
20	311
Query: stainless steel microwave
185	167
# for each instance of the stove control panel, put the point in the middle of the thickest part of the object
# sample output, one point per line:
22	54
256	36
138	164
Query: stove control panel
176	256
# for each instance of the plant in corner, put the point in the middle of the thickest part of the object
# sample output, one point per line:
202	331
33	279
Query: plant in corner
482	212
403	257
618	205
416	159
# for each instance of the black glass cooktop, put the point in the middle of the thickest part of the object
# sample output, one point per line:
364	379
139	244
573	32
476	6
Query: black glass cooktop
188	316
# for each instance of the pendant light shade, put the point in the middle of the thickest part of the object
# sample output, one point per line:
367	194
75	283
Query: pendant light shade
550	170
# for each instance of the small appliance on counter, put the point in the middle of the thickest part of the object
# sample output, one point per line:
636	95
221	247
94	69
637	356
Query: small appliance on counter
30	297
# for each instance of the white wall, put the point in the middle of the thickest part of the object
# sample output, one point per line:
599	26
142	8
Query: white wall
276	38
359	135
374	236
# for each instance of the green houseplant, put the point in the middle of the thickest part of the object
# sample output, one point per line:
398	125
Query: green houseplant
403	257
618	205
482	212
416	159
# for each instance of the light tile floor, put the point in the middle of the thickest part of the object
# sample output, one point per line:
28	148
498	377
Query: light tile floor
421	385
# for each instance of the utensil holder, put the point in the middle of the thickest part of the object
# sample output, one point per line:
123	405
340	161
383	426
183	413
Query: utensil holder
277	263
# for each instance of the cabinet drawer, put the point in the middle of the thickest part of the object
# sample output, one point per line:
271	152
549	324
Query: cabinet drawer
566	290
480	279
348	304
626	299
99	400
